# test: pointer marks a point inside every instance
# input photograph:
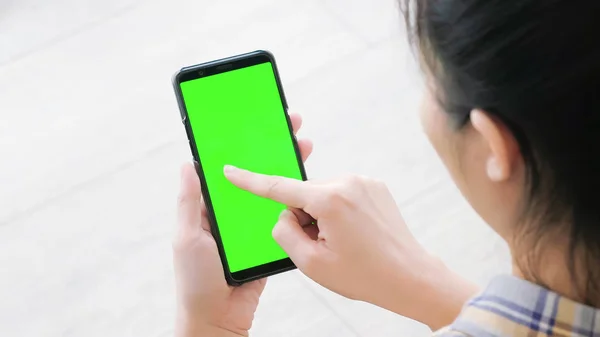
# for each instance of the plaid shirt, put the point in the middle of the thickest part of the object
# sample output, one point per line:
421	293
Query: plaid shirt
510	306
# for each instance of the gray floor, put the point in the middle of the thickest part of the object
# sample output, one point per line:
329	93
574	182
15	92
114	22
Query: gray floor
91	146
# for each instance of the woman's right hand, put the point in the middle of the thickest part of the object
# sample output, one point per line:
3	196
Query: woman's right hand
349	236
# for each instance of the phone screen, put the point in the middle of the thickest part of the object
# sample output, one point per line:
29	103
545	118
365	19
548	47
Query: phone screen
238	118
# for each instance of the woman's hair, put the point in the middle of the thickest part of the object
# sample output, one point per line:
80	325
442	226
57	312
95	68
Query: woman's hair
535	66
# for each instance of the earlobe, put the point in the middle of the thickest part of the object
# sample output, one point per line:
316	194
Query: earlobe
498	141
495	171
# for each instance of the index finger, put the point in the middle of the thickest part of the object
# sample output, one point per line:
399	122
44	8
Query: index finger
291	192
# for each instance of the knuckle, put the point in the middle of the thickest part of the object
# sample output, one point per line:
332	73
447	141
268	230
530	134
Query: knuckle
360	184
350	185
354	182
186	202
366	181
351	179
334	195
179	244
189	241
381	185
344	192
310	261
181	200
272	186
277	232
376	184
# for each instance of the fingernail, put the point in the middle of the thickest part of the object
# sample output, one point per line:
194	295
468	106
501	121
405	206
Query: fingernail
286	213
228	169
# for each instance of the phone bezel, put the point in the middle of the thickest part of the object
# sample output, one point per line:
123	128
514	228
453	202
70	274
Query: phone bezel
214	68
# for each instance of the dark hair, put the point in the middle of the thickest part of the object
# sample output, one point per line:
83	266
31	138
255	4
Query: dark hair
535	66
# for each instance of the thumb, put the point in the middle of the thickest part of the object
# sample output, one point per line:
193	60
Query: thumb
288	233
189	208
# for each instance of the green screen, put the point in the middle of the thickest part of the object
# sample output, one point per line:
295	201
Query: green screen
237	118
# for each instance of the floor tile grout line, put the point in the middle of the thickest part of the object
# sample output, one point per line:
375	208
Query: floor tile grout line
329	306
18	215
348	56
346	26
419	194
70	34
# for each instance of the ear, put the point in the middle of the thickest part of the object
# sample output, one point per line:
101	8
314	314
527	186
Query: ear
504	149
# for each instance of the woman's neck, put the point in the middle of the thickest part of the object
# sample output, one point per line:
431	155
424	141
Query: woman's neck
551	269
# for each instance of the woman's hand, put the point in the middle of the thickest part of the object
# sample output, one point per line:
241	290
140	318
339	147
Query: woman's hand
207	305
349	236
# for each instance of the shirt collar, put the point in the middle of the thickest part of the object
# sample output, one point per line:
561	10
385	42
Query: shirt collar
510	306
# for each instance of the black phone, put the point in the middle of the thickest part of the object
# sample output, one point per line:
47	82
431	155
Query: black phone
235	113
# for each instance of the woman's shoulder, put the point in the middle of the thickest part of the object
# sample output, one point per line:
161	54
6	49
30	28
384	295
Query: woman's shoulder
450	332
512	307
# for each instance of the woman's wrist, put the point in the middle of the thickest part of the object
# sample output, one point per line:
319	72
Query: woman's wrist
433	294
186	326
446	293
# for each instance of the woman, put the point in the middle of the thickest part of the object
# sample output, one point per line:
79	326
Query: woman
513	112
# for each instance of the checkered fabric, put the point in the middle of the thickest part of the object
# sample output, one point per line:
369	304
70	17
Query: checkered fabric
510	306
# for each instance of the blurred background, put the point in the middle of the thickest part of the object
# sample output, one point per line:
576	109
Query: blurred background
91	145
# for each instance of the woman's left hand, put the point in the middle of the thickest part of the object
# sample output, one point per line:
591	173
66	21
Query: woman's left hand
207	305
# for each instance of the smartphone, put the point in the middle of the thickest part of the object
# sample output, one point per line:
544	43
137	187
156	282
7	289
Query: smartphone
235	113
